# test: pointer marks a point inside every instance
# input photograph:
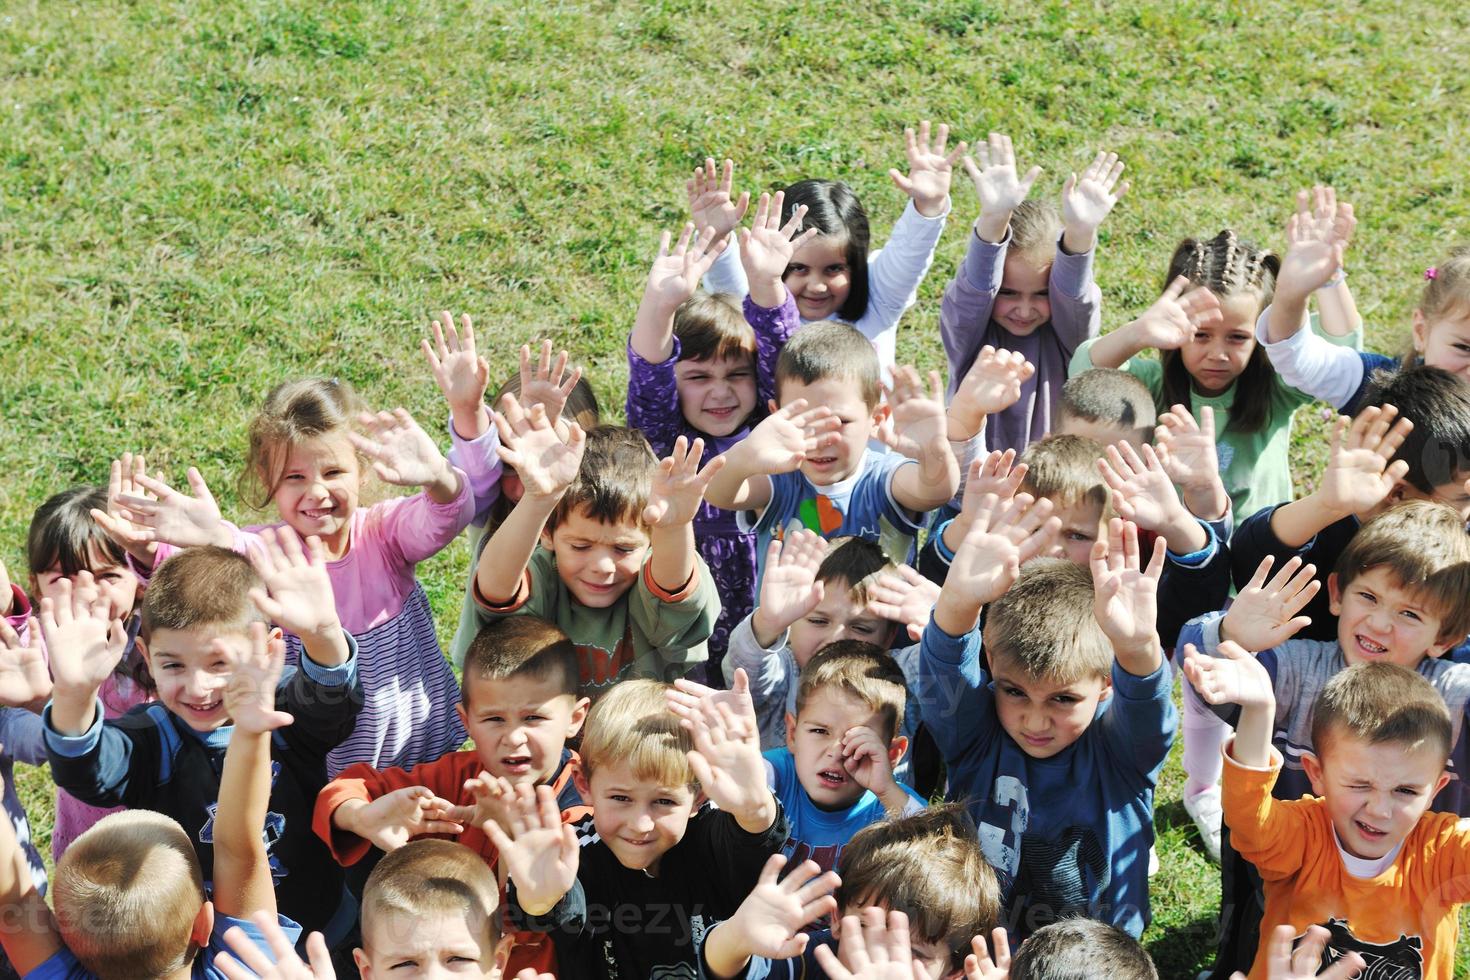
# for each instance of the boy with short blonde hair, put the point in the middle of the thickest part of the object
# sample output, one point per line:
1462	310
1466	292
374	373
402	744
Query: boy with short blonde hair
630	890
1361	856
601	543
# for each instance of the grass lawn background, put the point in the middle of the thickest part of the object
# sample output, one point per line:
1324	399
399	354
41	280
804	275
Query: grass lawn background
200	200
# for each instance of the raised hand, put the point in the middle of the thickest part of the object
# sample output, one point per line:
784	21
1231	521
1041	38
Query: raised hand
790	588
874	947
679	484
727	758
785	438
901	596
461	373
771	919
1003	535
396	818
930	169
546	462
1087	201
918	416
676	271
1142	491
298	591
249	962
1286	959
25	680
84	645
710	204
134	538
1264	614
1317	235
539	851
1171	321
1000	188
547	383
1125	594
250	693
997	473
981	965
163	514
1233	677
992	385
1186	449
767	245
492	797
402	453
1359	473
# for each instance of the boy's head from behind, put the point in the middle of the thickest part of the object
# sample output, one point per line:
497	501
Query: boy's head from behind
847	685
1050	662
1063	469
1438	448
1399	589
1082	949
196	598
1380	739
930	867
843	614
431	906
831	364
520	702
715	374
1107	405
635	773
596	531
130	899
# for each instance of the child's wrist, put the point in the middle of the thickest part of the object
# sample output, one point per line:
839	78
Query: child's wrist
469	421
964	425
931	206
767	630
992	228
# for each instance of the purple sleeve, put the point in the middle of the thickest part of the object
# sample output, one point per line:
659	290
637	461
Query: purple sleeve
653	400
418	528
968	300
480	462
1075	300
773	328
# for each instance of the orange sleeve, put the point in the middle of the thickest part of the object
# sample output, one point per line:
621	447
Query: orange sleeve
444	777
678	595
1274	835
522	596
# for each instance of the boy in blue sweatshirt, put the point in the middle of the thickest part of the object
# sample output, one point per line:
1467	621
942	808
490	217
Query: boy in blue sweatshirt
1057	741
168	755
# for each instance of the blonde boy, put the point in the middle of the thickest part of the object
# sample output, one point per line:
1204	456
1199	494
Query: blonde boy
629	891
616	567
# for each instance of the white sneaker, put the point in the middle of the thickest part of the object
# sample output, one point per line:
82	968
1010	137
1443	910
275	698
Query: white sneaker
1153	861
1205	809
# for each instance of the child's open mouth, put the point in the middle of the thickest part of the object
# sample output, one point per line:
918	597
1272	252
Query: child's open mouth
1370	832
516	765
202	710
318	513
721	413
832	778
1369	648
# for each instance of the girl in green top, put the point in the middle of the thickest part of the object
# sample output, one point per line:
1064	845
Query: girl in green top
1208	356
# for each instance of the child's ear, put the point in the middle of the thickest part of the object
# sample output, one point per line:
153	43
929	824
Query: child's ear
1440	649
502	954
771	406
1334	597
897	748
579	715
1440	783
364	967
546	543
464	716
203	925
584	786
880	415
144	652
1107	689
790	732
1312	766
1420	331
275	634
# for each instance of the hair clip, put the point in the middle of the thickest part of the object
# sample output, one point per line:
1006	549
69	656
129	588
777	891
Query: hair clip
1431	273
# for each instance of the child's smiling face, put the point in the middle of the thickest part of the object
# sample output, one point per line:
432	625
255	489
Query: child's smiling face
318	489
1379	619
716	395
1024	301
819	277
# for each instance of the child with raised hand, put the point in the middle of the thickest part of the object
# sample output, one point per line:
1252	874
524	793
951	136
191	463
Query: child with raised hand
166	756
698	368
654	871
616	568
162	923
63	540
541	379
832	275
1208	356
813	466
1058	646
1026	281
1360	854
307	457
1316	238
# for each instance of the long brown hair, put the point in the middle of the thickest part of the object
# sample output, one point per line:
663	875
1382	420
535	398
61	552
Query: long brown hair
1228	266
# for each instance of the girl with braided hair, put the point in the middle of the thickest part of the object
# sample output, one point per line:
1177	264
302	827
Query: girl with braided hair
1208	357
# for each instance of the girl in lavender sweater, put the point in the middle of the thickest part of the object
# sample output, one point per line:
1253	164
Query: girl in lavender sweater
697	369
1025	284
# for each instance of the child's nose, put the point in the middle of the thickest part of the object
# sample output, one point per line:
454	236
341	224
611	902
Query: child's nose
643	823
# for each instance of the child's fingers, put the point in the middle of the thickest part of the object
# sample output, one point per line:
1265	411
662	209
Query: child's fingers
1259	578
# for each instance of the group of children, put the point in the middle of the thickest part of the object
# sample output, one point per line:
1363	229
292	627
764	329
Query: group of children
721	667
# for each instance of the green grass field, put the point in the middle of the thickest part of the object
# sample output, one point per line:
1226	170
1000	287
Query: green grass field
198	200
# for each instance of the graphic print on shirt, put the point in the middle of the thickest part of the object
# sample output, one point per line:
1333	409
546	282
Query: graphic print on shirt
819	514
1059	876
1402	959
1001	845
598	668
824	854
275	828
